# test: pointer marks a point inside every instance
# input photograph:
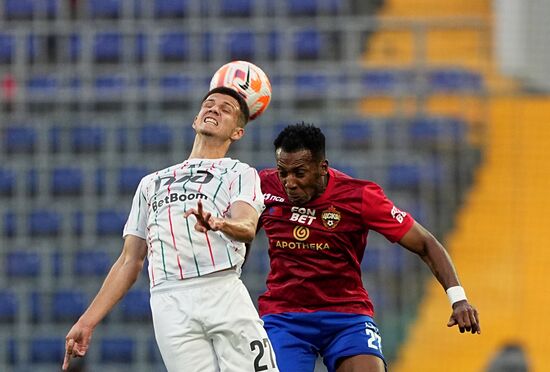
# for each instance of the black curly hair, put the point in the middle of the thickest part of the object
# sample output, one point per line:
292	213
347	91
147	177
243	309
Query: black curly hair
302	136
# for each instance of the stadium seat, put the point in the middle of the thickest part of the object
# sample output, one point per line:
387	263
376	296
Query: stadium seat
236	8
44	222
74	47
68	305
32	177
135	305
170	8
129	177
241	45
7	48
357	132
386	81
153	353
105	8
8	306
312	85
23	264
36	306
9	224
117	350
437	131
157	137
302	7
67	181
141	43
27	9
108	87
87	138
454	80
308	44
57	259
91	263
19	139
42	86
107	47
174	46
110	222
402	175
12	352
176	85
47	349
7	182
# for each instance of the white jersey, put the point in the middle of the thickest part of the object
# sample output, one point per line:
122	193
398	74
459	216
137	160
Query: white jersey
176	250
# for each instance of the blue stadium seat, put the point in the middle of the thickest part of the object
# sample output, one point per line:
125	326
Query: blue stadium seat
311	85
74	47
110	222
158	137
108	87
87	138
91	263
141	42
135	305
117	350
357	132
12	352
9	224
57	263
170	8
454	80
7	181
236	8
44	222
23	264
175	85
386	81
27	9
67	181
436	131
100	180
307	44
9	306
129	177
42	86
7	48
241	45
302	7
404	176
32	181
174	46
68	305
108	47
47	349
19	139
105	8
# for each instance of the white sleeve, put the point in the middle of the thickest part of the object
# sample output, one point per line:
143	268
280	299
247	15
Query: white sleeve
137	219
246	187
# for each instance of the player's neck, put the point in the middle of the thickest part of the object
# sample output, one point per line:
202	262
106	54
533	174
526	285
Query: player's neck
208	148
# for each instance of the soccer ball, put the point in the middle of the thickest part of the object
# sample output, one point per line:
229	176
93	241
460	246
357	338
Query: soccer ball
249	81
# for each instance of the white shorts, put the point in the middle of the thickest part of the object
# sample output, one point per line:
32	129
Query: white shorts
209	324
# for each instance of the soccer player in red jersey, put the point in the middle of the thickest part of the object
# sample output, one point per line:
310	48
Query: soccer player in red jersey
317	220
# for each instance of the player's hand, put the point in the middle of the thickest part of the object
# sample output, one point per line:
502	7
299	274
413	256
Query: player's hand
205	220
77	342
465	316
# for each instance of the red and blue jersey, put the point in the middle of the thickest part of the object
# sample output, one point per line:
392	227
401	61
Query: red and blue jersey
316	250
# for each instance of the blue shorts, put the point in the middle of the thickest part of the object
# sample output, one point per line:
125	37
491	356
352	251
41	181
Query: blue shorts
298	338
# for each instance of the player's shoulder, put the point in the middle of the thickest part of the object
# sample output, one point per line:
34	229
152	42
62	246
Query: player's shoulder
344	180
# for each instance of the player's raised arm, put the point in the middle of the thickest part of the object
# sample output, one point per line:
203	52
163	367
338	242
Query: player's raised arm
422	242
120	279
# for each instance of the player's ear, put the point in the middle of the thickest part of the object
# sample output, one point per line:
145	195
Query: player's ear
324	167
194	122
237	134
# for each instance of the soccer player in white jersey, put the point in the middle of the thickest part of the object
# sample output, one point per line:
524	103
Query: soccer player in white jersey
191	221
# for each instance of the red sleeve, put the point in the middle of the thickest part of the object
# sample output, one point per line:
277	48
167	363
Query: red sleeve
381	215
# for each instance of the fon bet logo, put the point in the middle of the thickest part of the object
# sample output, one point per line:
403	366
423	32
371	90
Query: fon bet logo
331	217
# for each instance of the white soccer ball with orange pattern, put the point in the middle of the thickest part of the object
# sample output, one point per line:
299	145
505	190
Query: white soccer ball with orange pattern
249	81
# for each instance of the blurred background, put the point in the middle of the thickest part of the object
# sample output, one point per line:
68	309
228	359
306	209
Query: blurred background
446	104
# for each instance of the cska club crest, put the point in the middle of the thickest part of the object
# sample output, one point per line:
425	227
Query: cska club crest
331	217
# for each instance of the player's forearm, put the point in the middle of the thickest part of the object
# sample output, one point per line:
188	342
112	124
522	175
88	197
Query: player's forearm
120	279
440	263
242	230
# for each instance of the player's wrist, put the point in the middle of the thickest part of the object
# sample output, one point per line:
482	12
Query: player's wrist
455	294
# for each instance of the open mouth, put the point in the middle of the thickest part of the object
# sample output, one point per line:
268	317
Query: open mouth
212	121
